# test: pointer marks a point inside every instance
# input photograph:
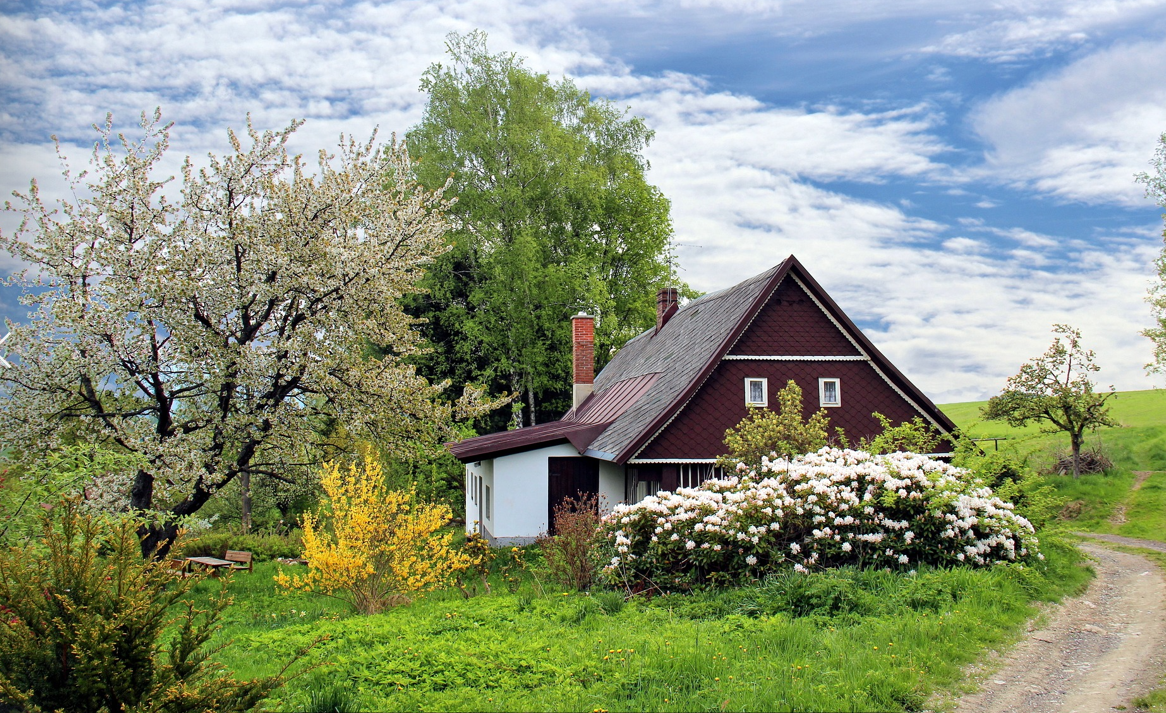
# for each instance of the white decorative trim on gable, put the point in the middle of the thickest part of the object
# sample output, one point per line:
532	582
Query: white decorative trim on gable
749	357
877	370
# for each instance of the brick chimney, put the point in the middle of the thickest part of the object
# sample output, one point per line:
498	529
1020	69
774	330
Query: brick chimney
666	306
583	352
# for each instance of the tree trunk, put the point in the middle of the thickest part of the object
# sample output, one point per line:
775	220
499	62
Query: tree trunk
245	487
142	492
157	539
516	418
1075	443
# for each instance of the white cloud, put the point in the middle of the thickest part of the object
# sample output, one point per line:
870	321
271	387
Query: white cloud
1010	30
956	313
1083	132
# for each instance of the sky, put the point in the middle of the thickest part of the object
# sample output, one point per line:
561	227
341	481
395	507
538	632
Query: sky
959	176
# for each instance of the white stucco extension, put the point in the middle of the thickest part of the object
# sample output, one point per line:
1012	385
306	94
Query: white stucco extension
515	510
611	485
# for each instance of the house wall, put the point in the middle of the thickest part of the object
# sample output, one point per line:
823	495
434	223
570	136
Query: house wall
611	485
699	430
520	494
789	324
475	511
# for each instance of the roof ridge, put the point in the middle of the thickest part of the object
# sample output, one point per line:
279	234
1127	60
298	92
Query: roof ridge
662	418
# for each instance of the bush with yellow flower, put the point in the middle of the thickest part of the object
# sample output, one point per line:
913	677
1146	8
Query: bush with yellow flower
371	546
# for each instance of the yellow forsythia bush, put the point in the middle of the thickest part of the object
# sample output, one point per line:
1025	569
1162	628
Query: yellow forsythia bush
382	544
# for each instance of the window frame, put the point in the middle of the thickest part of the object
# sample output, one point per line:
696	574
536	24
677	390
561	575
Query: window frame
822	381
764	403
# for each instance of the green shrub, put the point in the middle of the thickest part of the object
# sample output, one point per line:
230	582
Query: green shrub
570	553
264	547
85	618
1014	480
914	436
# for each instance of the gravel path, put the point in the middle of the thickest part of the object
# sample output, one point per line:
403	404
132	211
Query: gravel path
1096	651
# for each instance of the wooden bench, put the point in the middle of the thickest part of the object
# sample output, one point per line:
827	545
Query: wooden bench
242	560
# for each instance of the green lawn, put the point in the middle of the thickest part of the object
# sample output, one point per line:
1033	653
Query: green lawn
843	640
1138	444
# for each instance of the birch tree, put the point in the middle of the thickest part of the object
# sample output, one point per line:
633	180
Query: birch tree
554	215
1156	189
207	330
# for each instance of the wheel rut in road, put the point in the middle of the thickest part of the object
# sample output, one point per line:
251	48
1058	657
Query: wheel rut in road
1096	651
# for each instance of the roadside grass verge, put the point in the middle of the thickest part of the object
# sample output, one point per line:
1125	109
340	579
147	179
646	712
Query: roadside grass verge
846	640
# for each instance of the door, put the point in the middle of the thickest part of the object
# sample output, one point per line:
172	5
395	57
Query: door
568	478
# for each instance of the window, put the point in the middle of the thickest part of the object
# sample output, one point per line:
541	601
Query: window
756	393
829	392
486	502
693	474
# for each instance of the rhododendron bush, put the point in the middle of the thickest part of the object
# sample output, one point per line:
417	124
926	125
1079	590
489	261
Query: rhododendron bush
825	509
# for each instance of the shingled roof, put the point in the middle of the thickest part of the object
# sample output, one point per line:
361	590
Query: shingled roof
655	374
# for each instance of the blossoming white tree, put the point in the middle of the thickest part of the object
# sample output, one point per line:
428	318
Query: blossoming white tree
206	331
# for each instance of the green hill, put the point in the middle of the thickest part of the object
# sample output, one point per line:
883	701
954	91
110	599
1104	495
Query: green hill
1101	503
1131	408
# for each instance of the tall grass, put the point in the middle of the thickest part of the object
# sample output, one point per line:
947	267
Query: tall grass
841	640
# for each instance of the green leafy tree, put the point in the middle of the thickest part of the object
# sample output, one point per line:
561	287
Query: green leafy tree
1056	391
781	433
553	215
84	621
211	331
1156	189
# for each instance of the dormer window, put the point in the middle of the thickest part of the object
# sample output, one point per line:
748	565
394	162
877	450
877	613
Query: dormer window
829	392
756	393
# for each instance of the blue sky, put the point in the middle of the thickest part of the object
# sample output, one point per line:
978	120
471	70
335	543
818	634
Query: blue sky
959	175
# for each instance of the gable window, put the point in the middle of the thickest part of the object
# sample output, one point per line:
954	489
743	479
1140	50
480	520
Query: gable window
829	392
756	392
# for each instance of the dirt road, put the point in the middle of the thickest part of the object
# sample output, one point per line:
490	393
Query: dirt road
1096	651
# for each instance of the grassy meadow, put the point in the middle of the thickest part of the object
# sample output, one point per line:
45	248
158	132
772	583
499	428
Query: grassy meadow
1138	444
845	640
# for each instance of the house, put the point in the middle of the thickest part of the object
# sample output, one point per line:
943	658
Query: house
655	417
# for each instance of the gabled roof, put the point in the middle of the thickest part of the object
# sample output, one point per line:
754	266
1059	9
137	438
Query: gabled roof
655	374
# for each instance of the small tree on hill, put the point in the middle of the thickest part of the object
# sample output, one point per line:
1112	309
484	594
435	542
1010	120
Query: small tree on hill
381	545
1056	391
784	433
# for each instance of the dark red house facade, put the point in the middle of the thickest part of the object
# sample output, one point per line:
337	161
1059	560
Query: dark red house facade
656	416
